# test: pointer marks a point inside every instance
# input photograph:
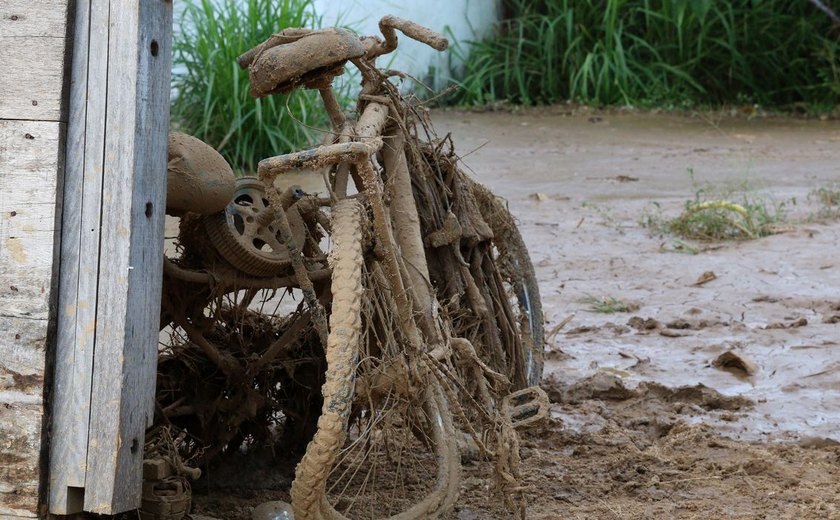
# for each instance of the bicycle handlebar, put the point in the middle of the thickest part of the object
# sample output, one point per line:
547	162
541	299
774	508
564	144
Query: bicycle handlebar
320	157
387	25
414	31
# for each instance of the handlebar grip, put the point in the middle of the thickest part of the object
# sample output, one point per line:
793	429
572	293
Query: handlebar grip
414	31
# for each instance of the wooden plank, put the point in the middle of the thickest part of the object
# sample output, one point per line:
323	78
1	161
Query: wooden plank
79	257
32	65
30	160
20	431
32	58
131	251
43	18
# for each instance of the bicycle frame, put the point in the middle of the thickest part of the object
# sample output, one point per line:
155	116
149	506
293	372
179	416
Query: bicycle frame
381	156
398	224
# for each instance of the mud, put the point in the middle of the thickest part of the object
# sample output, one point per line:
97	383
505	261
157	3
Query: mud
312	60
199	179
646	423
716	393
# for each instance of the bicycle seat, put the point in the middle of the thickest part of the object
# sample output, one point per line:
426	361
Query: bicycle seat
309	61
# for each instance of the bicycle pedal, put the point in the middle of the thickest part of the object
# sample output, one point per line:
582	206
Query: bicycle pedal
527	407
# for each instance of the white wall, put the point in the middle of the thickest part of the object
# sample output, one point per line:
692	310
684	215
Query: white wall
460	20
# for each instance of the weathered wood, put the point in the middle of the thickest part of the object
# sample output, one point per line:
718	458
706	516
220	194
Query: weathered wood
79	257
118	158
32	37
131	251
30	159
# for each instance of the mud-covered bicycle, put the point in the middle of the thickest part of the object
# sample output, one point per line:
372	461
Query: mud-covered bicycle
419	327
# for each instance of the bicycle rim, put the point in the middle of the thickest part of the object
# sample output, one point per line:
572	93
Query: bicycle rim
519	283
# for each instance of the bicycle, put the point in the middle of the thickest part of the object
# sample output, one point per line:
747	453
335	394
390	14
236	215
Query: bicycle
427	316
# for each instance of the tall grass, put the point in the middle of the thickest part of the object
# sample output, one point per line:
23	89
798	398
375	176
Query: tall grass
643	52
211	99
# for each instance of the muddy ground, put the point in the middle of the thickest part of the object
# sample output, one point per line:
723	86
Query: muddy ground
643	425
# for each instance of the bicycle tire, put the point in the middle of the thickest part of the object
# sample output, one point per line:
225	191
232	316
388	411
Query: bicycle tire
341	350
311	498
518	270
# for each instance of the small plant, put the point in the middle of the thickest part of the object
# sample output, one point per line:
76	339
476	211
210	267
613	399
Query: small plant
607	304
652	216
675	245
736	212
723	220
605	212
828	202
211	100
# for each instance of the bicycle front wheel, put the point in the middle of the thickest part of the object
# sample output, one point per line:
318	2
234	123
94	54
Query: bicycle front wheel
386	446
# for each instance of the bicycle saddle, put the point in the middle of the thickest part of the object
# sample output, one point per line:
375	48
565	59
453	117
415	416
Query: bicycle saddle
315	57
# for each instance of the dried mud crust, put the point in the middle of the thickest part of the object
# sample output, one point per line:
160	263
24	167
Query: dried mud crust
646	453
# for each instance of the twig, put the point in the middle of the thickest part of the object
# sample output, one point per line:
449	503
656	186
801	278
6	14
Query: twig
712	477
827	10
477	148
557	328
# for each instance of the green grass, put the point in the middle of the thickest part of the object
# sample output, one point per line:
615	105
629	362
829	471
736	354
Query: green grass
725	219
827	196
678	53
732	212
211	99
827	199
606	304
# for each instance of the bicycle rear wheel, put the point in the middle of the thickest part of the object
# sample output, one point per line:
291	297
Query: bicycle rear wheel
480	267
518	280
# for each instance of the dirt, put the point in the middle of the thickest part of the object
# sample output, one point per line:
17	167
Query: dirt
199	179
311	59
717	393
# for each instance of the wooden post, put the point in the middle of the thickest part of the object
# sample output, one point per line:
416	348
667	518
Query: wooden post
79	261
131	251
111	254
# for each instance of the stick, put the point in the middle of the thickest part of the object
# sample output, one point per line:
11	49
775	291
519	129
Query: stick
827	10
